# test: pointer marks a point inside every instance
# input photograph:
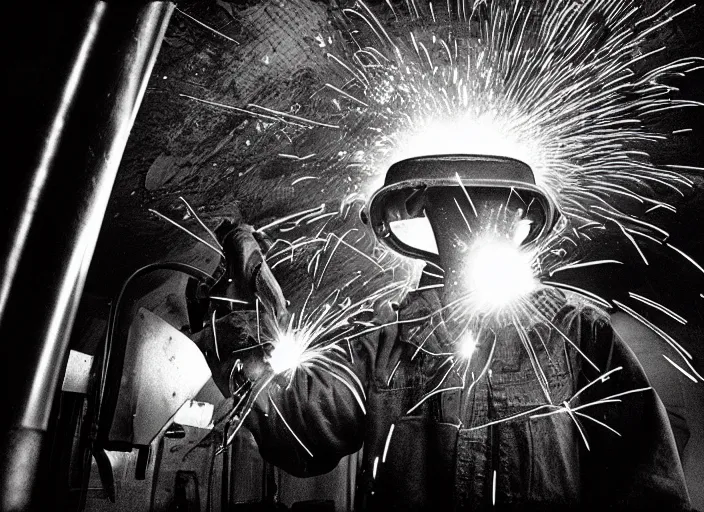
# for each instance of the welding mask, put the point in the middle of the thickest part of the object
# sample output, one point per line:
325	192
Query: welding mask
411	184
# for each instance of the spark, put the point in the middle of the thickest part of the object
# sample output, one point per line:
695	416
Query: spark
493	489
684	372
202	224
655	329
686	256
231	107
634	243
298	215
464	218
304	178
466	194
190	233
206	26
346	95
685	167
602	302
296	157
227	299
601	423
321	217
292	116
215	338
388	442
498	273
583	264
271	400
393	372
681	351
659	307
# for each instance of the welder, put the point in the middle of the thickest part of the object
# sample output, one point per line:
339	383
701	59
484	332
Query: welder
551	414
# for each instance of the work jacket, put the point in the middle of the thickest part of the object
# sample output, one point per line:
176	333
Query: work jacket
557	415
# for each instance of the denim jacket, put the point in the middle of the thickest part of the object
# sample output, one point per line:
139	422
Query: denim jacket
594	436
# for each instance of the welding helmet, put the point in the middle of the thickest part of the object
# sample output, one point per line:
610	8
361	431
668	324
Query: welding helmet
407	182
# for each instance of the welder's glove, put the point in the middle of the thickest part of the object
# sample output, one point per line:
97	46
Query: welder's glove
233	342
248	275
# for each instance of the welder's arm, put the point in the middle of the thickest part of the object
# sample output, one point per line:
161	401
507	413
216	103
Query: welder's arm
305	423
638	468
231	341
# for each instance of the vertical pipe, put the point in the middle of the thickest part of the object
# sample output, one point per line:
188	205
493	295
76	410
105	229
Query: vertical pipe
53	239
48	152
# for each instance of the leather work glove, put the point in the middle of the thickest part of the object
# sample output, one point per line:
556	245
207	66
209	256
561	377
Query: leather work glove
248	276
233	339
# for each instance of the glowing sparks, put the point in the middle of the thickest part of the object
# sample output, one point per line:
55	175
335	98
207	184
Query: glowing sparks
190	233
682	370
289	351
467	345
208	27
568	90
493	488
659	307
498	274
329	315
482	134
273	403
388	442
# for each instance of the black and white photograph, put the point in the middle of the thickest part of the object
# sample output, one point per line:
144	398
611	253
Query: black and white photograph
353	256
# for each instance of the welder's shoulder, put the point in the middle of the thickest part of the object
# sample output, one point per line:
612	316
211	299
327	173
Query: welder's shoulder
589	328
577	312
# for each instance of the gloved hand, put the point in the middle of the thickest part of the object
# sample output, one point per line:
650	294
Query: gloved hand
232	338
243	259
247	276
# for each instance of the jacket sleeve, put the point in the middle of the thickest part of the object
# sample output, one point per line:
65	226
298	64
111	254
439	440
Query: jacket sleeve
632	461
304	422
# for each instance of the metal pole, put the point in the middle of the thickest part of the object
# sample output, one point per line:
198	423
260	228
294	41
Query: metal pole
53	238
